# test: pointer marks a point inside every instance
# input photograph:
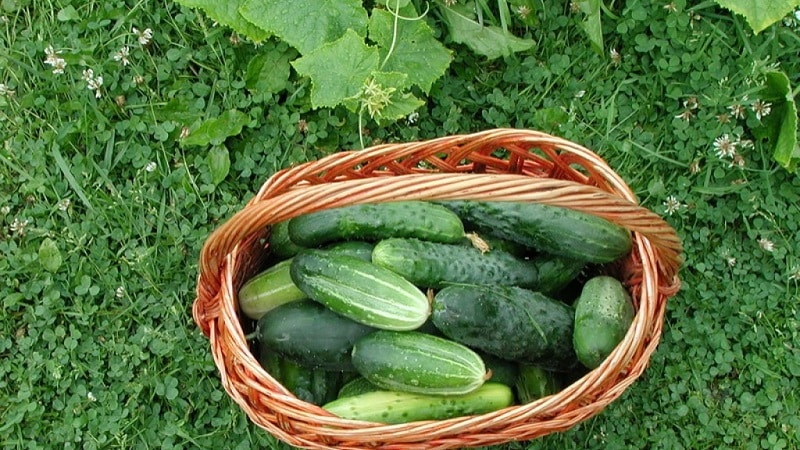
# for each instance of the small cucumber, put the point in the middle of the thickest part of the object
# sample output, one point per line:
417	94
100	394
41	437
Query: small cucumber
316	386
311	335
603	314
508	322
435	265
375	221
534	382
274	286
280	245
360	290
393	407
411	361
560	231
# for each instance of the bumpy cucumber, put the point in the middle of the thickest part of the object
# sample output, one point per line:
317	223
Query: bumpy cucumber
603	314
534	382
435	265
551	229
316	386
360	290
280	245
377	221
274	286
417	362
311	335
508	322
401	407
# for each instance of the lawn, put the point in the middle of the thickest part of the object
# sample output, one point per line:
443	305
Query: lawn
108	192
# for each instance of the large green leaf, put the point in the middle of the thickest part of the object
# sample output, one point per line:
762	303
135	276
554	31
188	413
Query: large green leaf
592	24
780	126
416	52
307	24
338	70
215	131
760	14
489	41
268	71
227	13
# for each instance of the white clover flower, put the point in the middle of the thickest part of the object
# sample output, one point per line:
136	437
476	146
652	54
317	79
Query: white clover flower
737	111
93	82
52	59
5	91
725	147
18	227
761	108
63	204
616	58
412	118
122	56
730	260
686	115
120	292
150	167
5	210
523	11
91	396
766	244
672	205
144	36
794	273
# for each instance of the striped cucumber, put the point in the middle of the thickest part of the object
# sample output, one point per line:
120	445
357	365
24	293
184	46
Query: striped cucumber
360	290
560	231
435	265
393	407
417	362
375	221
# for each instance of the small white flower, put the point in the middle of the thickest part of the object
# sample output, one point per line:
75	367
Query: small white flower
737	111
144	36
17	227
91	396
580	93
185	131
138	80
616	58
150	167
5	210
5	91
523	11
671	7
724	146
120	292
56	62
412	118
766	244
88	75
672	205
731	260
686	115
122	56
794	273
761	109
63	204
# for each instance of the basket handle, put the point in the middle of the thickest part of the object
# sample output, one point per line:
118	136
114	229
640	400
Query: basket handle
260	213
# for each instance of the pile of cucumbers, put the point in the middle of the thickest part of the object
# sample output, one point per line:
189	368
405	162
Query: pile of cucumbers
420	310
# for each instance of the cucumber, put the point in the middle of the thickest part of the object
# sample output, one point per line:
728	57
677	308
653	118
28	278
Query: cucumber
551	229
311	335
435	265
416	362
508	322
555	272
534	382
316	386
356	386
375	221
360	290
274	286
394	407
502	370
603	314
280	245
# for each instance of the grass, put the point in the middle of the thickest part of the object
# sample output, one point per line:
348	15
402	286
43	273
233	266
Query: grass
98	346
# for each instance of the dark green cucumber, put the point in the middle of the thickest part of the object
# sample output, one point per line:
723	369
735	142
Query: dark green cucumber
502	370
356	386
534	382
508	322
435	265
393	407
360	290
411	361
555	272
603	314
316	386
280	245
551	229
274	286
375	221
311	335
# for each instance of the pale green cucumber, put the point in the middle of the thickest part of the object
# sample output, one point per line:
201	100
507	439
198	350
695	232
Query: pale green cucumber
603	314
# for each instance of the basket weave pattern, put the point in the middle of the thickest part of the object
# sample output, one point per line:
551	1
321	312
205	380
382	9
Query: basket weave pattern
530	166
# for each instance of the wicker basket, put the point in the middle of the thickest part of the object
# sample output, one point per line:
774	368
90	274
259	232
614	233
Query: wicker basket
502	164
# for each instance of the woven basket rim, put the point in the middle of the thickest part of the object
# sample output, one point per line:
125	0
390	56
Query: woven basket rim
396	171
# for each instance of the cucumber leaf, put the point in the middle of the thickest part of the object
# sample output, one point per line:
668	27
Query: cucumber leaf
591	24
227	13
307	24
215	131
338	70
268	72
780	126
489	41
416	53
760	14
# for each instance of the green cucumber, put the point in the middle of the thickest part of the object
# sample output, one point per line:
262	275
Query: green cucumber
311	335
603	314
356	386
411	361
274	286
555	272
502	370
316	386
375	221
560	231
360	290
280	245
534	382
508	322
435	265
393	407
